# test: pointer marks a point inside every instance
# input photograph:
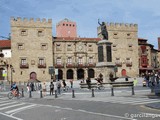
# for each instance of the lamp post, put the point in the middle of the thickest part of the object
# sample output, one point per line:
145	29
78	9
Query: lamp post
12	70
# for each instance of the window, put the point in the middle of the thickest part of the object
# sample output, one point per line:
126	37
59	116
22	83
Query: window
40	33
23	32
20	46
80	60
69	47
90	60
41	61
130	47
69	60
90	48
115	35
58	61
128	35
58	47
44	46
114	47
23	61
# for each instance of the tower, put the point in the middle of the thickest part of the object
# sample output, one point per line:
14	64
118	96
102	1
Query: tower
66	28
31	45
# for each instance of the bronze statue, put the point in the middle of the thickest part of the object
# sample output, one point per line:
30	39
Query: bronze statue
103	30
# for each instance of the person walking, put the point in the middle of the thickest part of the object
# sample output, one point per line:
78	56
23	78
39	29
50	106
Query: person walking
88	81
71	82
51	88
44	89
58	84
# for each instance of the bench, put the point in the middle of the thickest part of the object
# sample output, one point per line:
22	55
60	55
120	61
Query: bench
122	84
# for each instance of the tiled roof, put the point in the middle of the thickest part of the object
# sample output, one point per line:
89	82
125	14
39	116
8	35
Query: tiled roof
5	43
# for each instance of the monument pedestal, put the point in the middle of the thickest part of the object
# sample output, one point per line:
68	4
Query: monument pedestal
105	66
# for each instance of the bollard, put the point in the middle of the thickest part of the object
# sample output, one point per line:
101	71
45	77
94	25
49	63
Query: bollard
133	90
30	94
73	95
22	93
41	96
152	89
56	94
112	91
93	93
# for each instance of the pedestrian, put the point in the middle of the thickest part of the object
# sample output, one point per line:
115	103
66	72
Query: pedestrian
58	84
51	88
28	87
88	81
135	81
44	89
71	82
64	85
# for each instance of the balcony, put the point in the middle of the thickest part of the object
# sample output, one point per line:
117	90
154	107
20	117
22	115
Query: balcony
59	65
118	64
144	64
129	64
70	65
91	64
81	65
42	65
24	66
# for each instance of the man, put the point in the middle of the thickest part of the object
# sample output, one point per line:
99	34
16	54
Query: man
51	88
15	87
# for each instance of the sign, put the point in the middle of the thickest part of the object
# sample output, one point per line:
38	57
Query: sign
51	70
4	73
56	71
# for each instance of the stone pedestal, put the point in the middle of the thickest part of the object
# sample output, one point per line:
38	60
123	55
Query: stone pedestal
105	66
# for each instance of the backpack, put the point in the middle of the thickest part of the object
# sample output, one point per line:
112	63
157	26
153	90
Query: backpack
51	86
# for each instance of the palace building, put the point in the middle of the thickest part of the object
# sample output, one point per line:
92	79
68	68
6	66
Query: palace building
32	50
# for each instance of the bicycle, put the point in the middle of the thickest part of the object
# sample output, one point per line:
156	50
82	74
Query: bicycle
66	88
13	93
100	86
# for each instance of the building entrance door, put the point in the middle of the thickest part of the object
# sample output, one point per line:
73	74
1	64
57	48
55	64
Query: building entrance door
33	76
123	72
80	74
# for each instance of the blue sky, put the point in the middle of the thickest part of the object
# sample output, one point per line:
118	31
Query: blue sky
145	13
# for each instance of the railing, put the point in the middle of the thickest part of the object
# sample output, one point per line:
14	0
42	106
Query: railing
24	65
128	64
42	65
59	65
71	65
118	64
91	64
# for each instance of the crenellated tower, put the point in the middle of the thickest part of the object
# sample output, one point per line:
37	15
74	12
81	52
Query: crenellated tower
124	40
31	48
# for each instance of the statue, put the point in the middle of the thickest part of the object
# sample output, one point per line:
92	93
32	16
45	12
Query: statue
103	30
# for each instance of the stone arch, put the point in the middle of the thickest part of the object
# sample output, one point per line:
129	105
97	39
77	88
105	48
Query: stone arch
123	72
91	73
70	74
80	74
60	74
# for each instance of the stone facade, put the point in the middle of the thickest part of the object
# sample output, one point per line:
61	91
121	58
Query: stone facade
75	58
31	49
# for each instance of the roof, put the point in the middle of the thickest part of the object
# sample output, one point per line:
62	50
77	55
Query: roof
5	43
76	39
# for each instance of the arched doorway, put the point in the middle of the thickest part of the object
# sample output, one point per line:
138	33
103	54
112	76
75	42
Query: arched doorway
91	73
123	72
80	74
33	76
60	74
69	74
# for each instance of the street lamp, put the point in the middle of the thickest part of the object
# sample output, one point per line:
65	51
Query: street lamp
12	70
